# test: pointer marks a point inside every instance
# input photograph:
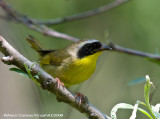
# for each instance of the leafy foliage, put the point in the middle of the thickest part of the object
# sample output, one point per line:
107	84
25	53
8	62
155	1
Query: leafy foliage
28	74
153	110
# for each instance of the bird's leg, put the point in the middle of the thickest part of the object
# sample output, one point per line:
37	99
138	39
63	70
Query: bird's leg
82	98
58	83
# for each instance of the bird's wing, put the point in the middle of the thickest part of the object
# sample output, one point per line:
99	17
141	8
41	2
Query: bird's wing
54	57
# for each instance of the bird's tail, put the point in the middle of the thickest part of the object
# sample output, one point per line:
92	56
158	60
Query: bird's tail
35	44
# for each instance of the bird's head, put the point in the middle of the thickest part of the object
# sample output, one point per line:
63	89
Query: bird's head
86	48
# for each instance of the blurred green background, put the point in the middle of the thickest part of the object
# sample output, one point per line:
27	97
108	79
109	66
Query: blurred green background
133	25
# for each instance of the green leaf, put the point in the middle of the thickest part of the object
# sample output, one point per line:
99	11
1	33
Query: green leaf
146	95
22	73
147	89
30	75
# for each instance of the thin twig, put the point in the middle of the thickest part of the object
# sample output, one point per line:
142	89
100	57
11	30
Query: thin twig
133	52
87	14
13	57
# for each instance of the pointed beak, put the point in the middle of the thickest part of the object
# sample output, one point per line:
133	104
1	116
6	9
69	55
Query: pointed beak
104	47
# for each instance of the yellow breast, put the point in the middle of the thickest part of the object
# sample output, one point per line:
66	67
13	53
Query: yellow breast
80	70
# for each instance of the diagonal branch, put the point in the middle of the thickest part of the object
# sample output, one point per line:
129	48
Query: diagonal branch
13	57
39	26
87	14
32	24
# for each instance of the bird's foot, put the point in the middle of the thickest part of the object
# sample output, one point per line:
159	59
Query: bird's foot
81	98
58	83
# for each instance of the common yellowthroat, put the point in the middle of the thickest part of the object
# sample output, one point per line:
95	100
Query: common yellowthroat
73	64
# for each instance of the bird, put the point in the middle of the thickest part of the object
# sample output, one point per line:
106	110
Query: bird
73	64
